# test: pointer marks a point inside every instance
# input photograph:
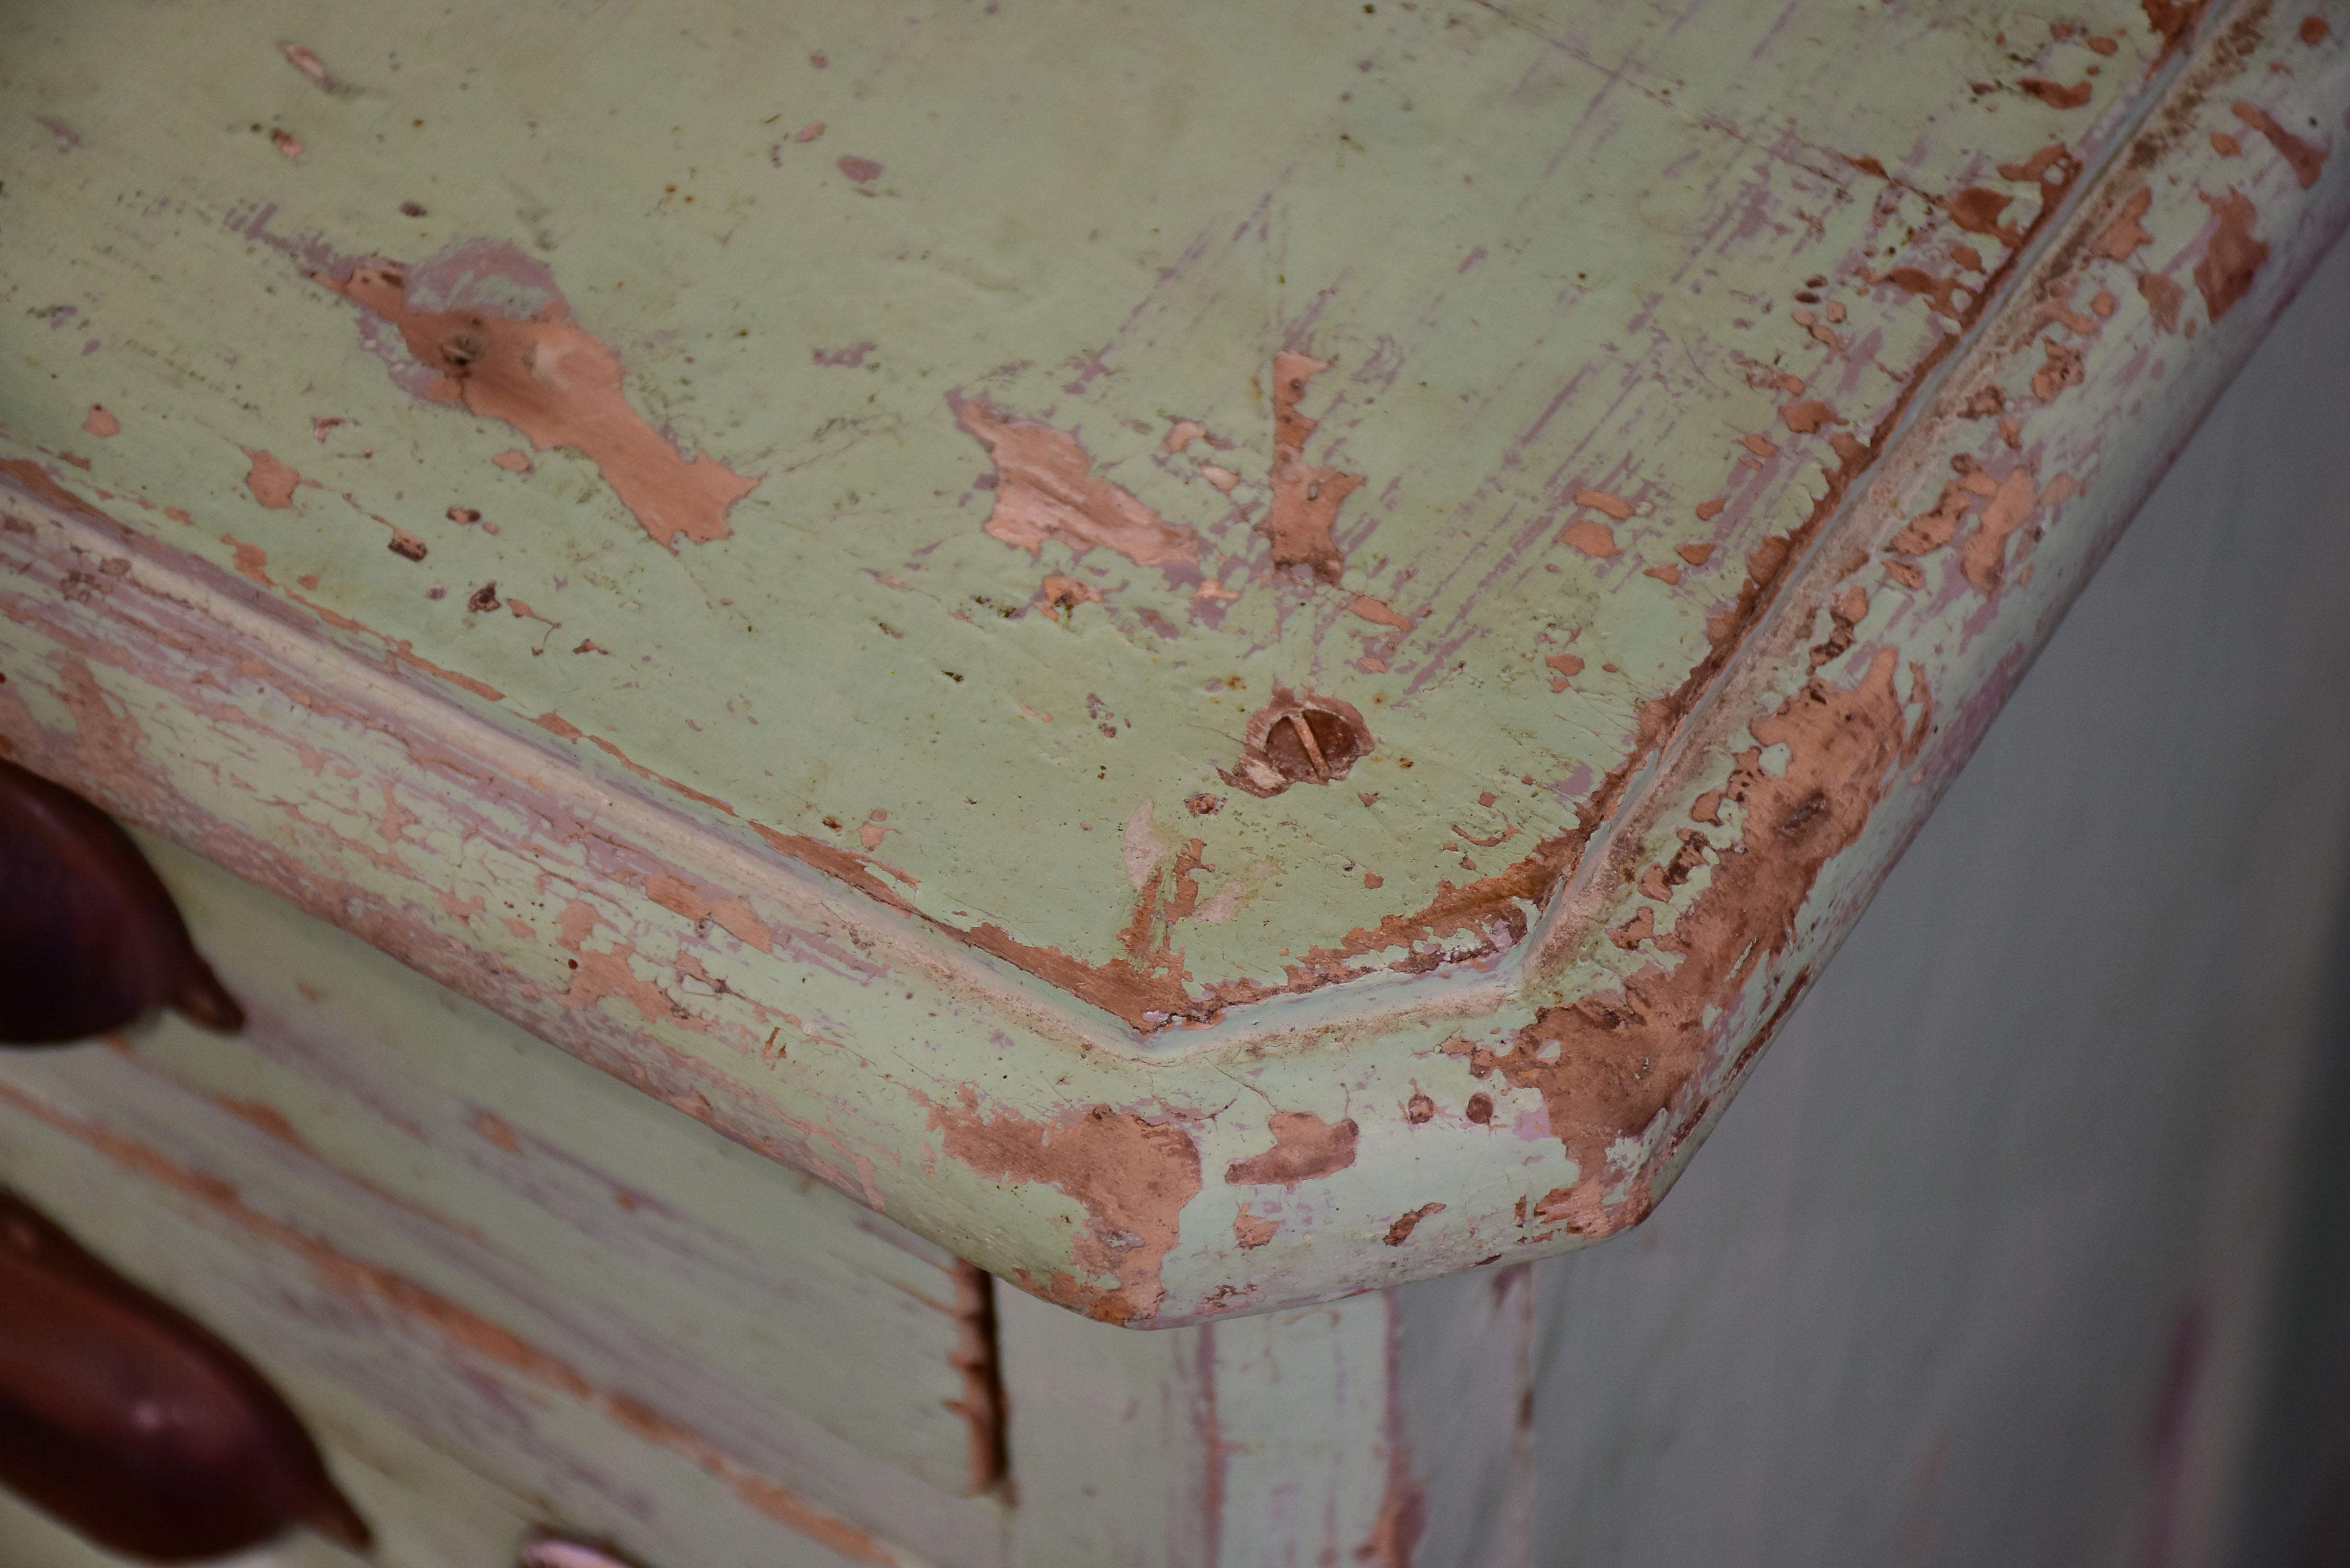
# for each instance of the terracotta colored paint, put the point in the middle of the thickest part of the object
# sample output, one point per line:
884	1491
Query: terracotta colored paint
1131	1177
1595	539
2056	95
2233	256
1941	291
273	482
1984	558
1615	506
2163	298
2122	236
1046	489
1609	1065
2172	21
1303	1146
1305	495
2052	165
548	379
2305	159
1978	212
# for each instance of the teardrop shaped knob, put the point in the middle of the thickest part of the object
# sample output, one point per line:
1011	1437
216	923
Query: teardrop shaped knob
90	940
133	1423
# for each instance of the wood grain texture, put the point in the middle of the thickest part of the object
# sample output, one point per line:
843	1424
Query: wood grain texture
1731	424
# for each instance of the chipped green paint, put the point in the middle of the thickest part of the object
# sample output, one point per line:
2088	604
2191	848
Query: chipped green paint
400	1204
1005	752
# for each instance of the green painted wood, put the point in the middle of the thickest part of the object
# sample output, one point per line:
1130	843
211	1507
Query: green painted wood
1387	1428
512	1295
425	1224
898	883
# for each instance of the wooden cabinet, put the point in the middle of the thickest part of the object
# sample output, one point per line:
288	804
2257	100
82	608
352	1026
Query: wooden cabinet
470	1256
381	1189
1218	659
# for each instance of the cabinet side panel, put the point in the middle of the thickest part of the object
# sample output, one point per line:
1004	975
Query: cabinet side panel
1976	1272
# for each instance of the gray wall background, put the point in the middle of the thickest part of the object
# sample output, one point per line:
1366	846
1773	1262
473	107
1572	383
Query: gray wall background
2025	1245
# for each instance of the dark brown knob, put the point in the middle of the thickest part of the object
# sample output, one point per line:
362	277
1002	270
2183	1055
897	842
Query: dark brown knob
134	1424
89	939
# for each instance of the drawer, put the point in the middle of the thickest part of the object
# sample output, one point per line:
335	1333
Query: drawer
410	1212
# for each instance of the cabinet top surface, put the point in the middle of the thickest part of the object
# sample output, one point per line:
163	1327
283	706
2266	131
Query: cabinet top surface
1220	654
1207	503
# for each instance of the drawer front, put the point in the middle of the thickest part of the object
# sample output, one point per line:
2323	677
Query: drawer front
408	1211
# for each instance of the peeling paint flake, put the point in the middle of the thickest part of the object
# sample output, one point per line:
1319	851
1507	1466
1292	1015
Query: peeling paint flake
272	481
2232	255
2305	159
1377	611
1595	539
2163	298
1808	416
1305	495
1046	489
1984	559
1251	1232
542	374
1131	1176
1609	1065
1615	506
2056	94
2122	236
1304	1148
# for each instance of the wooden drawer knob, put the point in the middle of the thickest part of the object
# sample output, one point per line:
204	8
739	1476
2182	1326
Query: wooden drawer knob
89	939
134	1424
